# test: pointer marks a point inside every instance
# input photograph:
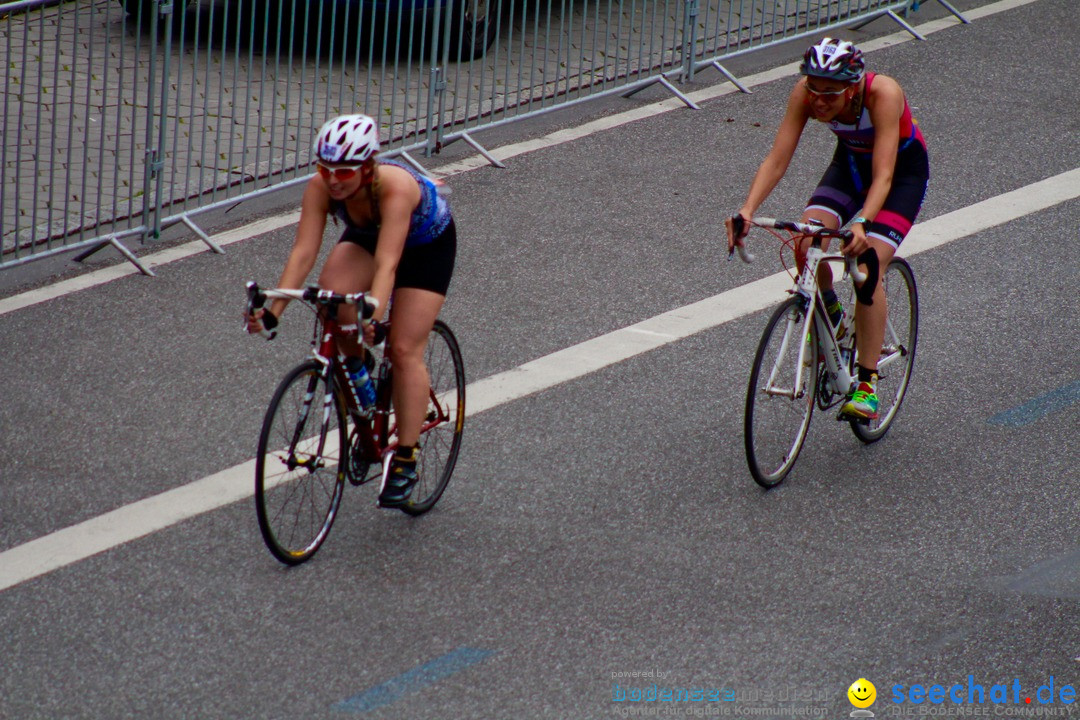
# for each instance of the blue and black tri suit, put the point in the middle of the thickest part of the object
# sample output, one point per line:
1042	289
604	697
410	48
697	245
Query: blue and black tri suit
427	261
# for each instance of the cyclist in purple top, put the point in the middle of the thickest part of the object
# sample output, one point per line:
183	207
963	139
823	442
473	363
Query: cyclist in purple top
876	181
399	238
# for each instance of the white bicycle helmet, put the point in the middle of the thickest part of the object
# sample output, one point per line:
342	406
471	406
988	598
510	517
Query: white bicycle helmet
347	139
833	60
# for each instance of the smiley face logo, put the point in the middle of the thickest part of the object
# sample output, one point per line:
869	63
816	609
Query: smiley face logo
862	693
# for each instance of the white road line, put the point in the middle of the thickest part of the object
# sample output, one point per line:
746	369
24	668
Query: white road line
133	521
100	277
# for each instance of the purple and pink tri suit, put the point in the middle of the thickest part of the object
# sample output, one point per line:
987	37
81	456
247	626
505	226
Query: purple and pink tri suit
846	181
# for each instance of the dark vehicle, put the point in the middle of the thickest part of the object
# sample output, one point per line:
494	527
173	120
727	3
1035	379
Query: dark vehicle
473	23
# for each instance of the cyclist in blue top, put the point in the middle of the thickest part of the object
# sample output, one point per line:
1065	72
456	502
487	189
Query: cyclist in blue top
399	238
876	181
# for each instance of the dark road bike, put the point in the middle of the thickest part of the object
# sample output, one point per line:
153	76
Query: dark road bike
315	435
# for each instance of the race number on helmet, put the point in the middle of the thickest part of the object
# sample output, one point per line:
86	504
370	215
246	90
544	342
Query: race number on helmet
833	59
347	139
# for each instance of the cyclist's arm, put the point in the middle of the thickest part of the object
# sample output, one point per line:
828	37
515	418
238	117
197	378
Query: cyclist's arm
398	198
309	237
885	111
783	149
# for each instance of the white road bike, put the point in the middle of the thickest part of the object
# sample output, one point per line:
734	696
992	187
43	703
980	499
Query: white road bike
802	360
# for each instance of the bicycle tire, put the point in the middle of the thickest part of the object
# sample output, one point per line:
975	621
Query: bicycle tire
898	350
300	464
775	426
440	441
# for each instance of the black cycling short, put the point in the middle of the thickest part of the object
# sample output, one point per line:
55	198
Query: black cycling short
846	181
427	266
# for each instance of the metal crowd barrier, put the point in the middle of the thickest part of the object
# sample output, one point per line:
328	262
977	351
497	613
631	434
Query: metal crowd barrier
122	117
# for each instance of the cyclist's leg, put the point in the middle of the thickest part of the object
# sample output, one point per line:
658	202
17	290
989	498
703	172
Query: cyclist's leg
834	201
870	319
830	220
349	268
885	233
423	278
411	318
869	335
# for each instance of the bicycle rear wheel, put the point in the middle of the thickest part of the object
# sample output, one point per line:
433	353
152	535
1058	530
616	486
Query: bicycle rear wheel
440	437
777	411
300	465
898	349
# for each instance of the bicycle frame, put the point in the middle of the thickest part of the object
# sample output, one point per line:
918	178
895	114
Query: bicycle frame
376	435
371	426
837	364
837	367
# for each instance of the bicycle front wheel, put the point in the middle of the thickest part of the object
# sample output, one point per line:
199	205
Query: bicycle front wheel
440	435
897	351
780	397
300	468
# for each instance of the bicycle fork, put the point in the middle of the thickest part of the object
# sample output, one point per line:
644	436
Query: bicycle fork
315	461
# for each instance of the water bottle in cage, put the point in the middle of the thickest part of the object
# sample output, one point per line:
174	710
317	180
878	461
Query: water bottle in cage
362	384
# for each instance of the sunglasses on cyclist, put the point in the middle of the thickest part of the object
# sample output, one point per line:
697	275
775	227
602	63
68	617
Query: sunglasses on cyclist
825	93
341	172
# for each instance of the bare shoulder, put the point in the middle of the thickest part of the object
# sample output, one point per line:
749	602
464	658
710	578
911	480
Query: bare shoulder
885	87
798	104
398	188
798	95
316	195
394	176
886	98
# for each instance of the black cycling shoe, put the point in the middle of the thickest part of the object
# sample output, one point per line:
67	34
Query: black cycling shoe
400	481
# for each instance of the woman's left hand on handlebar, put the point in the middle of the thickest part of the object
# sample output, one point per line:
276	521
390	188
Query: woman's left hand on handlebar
374	332
859	242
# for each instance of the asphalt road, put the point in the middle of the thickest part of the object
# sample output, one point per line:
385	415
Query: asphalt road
603	531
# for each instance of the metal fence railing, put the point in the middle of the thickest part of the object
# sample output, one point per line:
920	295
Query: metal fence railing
125	116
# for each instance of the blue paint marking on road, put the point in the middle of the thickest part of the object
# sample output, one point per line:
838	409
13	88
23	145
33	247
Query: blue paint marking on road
416	679
1041	406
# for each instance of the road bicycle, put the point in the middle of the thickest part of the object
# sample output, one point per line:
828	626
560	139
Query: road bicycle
316	432
802	360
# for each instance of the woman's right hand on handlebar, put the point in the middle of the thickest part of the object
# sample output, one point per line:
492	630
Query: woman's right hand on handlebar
738	225
260	320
